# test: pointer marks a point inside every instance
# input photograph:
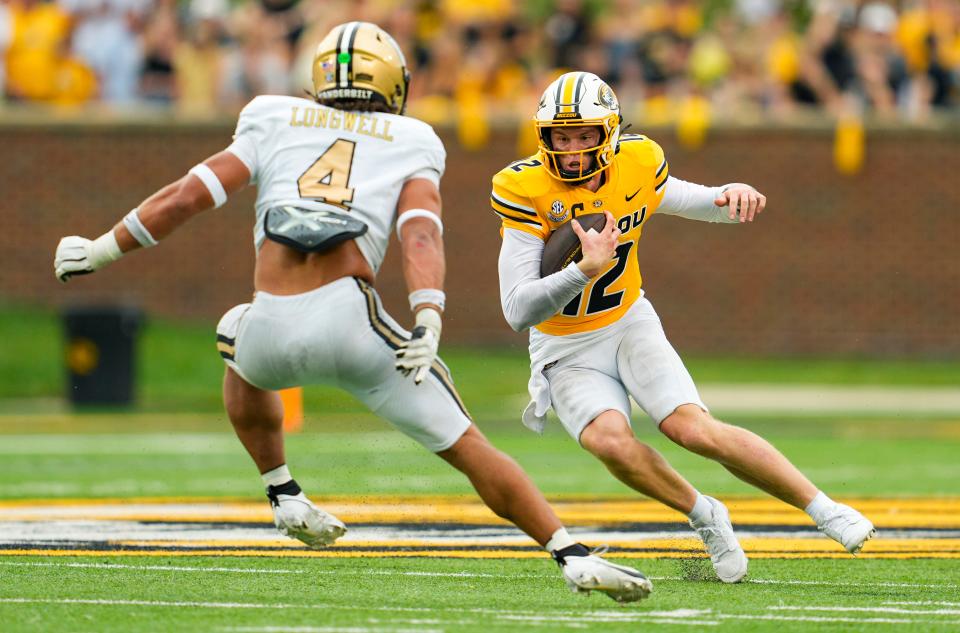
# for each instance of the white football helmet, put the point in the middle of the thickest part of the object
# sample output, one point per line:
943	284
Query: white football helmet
579	99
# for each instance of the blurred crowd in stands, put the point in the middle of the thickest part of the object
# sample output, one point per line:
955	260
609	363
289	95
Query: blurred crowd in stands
738	59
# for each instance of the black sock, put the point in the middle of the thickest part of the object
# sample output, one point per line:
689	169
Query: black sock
577	549
290	488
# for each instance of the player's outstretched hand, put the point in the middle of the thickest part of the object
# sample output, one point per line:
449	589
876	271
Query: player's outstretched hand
73	257
79	256
417	354
597	248
742	200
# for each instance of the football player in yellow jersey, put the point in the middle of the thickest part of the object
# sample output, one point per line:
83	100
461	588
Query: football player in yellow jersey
595	339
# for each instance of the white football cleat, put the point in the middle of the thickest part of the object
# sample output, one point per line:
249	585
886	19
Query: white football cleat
727	556
296	516
848	527
585	572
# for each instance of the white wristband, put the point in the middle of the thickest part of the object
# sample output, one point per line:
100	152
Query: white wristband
104	250
211	182
138	230
409	214
428	295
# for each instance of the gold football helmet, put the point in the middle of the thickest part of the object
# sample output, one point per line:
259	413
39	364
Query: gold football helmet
359	60
578	99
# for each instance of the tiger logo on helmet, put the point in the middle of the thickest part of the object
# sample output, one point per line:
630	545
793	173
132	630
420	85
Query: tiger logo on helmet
578	99
361	61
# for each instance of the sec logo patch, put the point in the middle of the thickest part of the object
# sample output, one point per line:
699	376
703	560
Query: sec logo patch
557	213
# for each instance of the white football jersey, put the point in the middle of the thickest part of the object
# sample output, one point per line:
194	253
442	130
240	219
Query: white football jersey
301	153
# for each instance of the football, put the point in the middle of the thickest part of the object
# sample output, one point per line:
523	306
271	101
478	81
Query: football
563	245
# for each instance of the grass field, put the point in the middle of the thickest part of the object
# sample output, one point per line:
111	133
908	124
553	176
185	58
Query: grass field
416	594
179	370
152	519
180	538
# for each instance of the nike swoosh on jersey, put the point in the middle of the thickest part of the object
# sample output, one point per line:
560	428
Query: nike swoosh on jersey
633	195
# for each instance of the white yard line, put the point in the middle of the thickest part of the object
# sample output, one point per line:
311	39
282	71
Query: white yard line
665	617
831	619
318	572
934	603
898	610
680	617
235	570
158	603
684	616
827	583
255	605
325	629
467	574
460	622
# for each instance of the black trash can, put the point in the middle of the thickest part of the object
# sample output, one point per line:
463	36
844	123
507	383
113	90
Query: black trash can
101	353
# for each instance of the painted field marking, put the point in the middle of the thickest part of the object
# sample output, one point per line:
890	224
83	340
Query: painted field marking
677	616
828	583
828	620
325	629
467	574
898	610
491	554
449	527
935	603
930	512
235	570
311	572
572	620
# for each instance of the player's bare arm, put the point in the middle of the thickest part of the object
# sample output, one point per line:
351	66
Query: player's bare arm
170	207
421	243
206	186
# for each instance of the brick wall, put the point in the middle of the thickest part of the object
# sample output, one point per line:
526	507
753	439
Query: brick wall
864	265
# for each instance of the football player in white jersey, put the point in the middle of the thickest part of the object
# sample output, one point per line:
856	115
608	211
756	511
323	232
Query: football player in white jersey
334	176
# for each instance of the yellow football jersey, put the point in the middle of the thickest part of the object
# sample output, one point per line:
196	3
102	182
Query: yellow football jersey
528	199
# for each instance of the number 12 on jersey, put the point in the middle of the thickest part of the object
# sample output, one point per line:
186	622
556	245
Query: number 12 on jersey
599	299
327	178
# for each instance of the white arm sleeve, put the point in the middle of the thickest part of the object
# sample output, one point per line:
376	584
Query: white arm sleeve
693	201
244	147
428	173
431	161
249	136
527	299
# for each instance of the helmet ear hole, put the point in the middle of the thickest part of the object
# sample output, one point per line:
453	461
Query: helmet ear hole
545	137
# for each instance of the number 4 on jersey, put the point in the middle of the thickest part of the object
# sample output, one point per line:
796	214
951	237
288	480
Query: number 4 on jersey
327	178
